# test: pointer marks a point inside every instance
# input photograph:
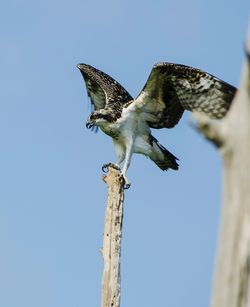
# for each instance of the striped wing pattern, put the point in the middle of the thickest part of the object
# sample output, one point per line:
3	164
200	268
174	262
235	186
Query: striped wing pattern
173	88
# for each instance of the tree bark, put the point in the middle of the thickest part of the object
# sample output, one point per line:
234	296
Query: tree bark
111	279
232	137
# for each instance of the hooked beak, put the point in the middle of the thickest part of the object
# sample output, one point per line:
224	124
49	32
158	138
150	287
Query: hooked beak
89	124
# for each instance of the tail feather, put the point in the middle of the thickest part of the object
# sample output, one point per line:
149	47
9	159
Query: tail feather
163	158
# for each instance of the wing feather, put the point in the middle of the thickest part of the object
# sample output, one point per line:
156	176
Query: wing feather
173	88
101	88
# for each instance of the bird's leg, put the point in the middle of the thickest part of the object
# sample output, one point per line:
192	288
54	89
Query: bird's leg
121	157
129	151
120	152
116	166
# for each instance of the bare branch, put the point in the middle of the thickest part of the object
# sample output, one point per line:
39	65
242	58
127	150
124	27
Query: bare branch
211	129
232	136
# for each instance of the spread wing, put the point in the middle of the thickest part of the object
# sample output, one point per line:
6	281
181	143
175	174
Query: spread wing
173	88
101	88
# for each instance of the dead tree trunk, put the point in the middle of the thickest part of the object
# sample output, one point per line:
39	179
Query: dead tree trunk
111	251
232	136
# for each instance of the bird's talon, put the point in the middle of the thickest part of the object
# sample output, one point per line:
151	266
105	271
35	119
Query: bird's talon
126	186
105	167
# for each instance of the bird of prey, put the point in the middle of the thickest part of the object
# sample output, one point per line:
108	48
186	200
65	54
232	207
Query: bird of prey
169	90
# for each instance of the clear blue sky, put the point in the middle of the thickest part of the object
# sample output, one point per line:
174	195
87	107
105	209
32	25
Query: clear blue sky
52	197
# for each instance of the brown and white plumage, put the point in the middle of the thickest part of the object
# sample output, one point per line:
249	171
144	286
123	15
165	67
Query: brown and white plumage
169	90
102	89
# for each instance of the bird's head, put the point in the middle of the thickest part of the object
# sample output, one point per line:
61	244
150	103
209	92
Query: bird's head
98	118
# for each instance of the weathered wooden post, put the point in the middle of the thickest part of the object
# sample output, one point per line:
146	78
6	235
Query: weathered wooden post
111	251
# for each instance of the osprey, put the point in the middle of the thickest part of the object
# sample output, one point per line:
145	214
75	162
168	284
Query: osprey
169	90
